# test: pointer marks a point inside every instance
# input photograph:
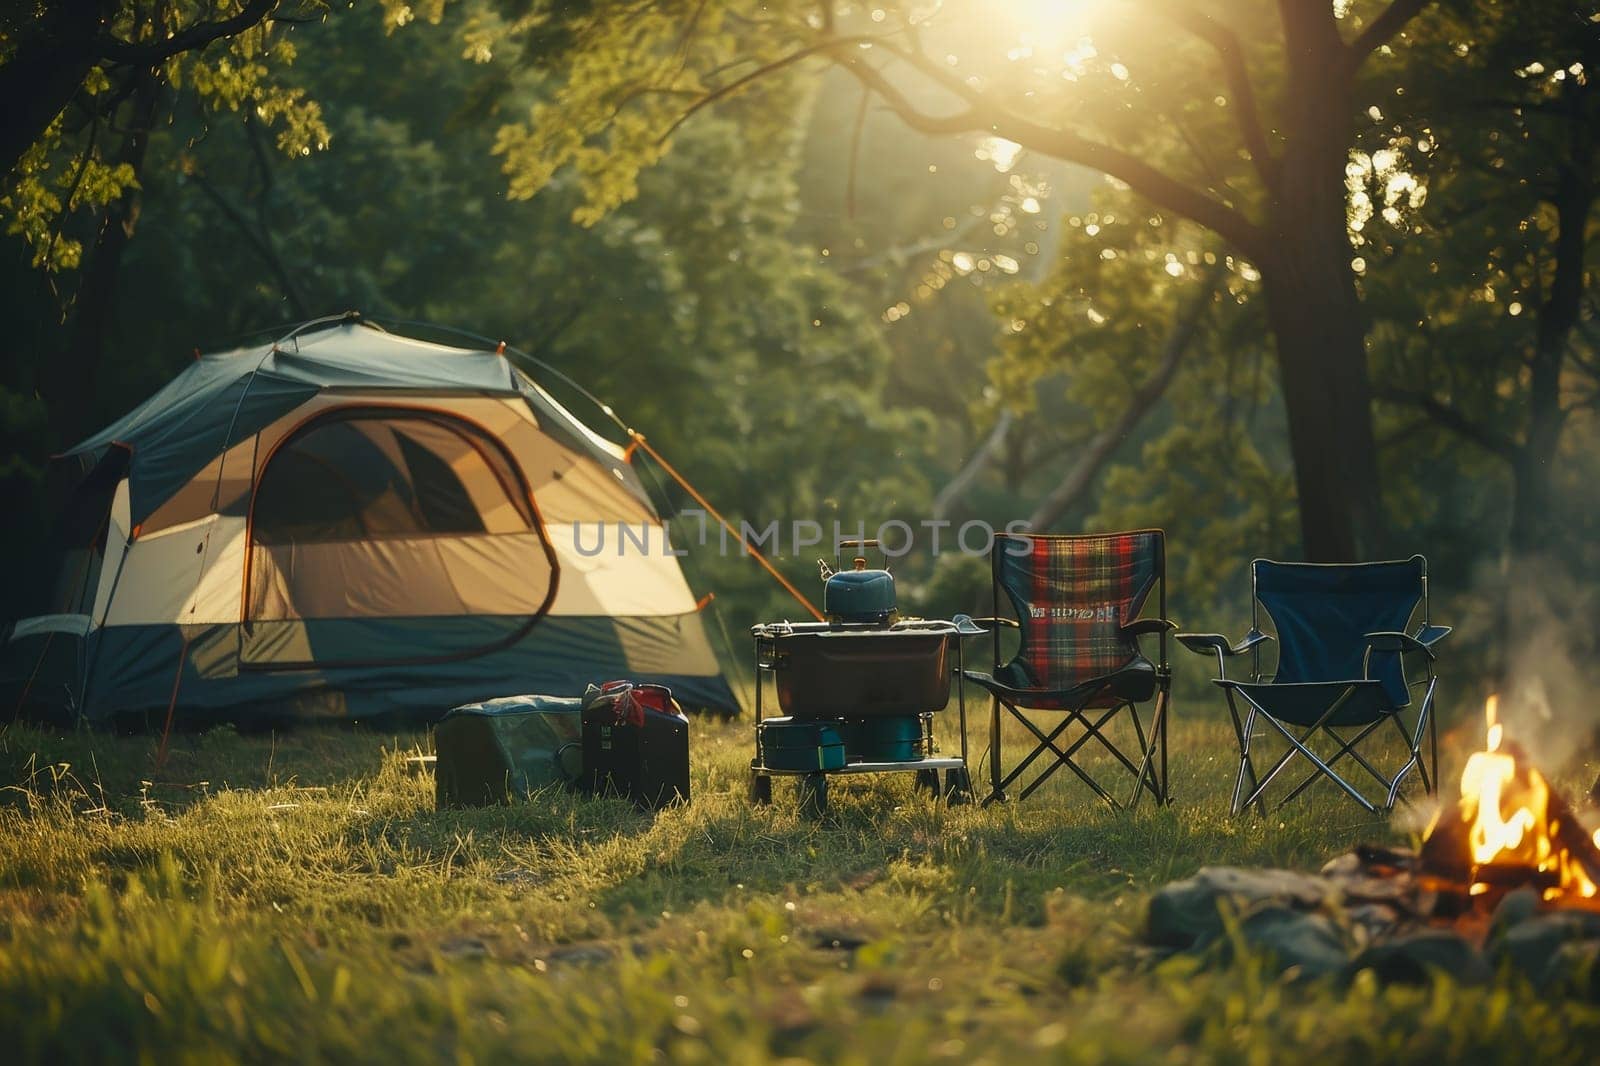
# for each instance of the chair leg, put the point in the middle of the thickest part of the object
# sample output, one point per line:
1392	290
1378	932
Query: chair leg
1257	795
1095	786
1394	787
1112	749
1145	750
1386	782
1049	742
1166	782
1063	757
996	791
1095	730
1433	737
1350	747
1346	747
1297	746
1425	720
1158	735
1145	774
1044	742
1414	742
1431	778
1243	731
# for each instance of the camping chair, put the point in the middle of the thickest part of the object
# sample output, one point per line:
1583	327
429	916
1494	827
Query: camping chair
1078	599
1341	641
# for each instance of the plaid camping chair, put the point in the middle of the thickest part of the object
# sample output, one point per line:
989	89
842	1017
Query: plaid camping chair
1341	644
1078	599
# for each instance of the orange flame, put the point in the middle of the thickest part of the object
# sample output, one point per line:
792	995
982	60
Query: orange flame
1506	806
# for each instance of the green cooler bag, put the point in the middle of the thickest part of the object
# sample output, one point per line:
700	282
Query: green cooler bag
500	750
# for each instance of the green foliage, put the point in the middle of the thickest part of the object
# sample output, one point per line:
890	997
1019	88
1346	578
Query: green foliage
620	76
66	174
626	73
1208	462
48	187
1458	294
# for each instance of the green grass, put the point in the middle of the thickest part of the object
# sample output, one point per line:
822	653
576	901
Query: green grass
298	897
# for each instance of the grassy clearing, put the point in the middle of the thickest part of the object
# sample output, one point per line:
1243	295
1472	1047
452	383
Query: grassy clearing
298	896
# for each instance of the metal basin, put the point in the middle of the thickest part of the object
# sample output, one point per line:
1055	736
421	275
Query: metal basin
831	673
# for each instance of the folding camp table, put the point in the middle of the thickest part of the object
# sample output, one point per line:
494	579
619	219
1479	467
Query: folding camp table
853	673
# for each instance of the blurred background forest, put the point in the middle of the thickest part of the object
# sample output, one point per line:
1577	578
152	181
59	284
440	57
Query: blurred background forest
1194	265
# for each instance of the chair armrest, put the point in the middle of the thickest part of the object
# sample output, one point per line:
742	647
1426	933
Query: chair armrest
1217	644
1205	643
1386	641
1428	636
1141	627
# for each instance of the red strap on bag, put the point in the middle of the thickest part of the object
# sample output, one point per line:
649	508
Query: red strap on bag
629	701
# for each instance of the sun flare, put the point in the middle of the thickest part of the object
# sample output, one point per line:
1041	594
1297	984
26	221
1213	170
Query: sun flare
1046	26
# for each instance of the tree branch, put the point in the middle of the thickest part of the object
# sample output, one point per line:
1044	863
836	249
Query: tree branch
197	35
742	82
958	486
1246	112
902	254
259	240
1217	183
1454	419
984	114
1103	445
1381	30
855	155
72	194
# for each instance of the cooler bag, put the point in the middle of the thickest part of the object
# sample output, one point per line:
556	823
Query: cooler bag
635	744
500	750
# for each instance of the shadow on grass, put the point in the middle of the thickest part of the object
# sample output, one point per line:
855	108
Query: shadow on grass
122	772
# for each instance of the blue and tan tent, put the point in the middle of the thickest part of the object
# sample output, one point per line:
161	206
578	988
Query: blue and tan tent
350	523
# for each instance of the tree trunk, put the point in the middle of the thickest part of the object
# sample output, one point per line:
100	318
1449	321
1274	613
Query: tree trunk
68	380
1534	468
1327	397
1532	482
1317	322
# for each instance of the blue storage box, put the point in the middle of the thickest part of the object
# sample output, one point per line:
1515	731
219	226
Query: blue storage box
801	744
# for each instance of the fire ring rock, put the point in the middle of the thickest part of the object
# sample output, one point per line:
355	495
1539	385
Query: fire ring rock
1420	957
1188	914
1309	944
1549	948
1367	912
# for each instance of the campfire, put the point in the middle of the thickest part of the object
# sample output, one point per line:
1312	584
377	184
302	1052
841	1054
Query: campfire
1509	830
1506	875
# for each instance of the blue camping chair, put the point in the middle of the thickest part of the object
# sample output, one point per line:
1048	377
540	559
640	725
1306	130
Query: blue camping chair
1341	672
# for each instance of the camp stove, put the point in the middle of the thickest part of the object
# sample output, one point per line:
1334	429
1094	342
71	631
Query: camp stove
857	692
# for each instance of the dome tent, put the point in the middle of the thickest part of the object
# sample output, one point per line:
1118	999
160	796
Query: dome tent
351	523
